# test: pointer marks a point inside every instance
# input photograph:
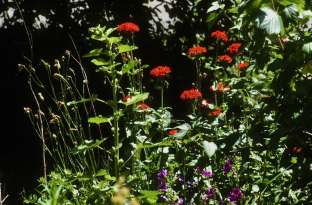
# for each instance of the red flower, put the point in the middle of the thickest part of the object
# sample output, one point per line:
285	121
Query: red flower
205	102
196	50
226	58
143	107
172	132
220	89
190	94
243	65
220	35
126	98
295	150
234	47
216	112
160	71
128	28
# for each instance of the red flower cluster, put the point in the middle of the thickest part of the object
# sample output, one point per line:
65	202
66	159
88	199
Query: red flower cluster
205	102
143	107
226	58
296	150
220	89
172	132
190	94
220	35
128	28
216	112
126	98
242	65
160	71
196	50
234	47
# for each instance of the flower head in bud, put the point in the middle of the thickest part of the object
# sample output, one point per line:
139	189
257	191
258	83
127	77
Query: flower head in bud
85	81
204	75
63	58
68	78
67	52
57	64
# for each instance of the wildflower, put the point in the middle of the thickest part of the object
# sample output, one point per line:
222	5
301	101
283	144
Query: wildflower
163	187
226	58
235	195
234	47
189	183
126	98
216	112
180	178
242	65
180	202
163	197
128	28
172	132
207	174
220	35
208	194
227	167
220	202
190	94
220	89
143	107
161	175
160	71
196	50
296	150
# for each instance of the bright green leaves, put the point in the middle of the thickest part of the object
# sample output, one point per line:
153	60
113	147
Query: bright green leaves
290	15
212	18
149	197
98	33
135	99
307	48
215	6
126	48
127	67
108	67
271	22
93	97
87	145
99	61
100	119
210	148
95	52
182	130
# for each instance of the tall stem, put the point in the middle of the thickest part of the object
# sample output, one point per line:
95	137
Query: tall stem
116	117
162	106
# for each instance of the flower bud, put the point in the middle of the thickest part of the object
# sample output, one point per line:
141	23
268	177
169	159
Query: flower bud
68	78
41	97
67	52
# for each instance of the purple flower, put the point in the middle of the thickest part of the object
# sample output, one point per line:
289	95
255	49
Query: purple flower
227	167
207	174
180	202
235	195
180	178
161	175
163	187
163	197
189	183
208	194
220	202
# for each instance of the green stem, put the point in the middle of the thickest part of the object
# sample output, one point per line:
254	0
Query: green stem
162	106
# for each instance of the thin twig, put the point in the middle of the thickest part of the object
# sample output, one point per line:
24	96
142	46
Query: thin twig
31	59
129	158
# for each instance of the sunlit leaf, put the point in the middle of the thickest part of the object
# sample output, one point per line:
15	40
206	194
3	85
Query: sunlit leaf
126	48
108	67
307	68
210	148
93	97
99	120
149	196
215	6
135	99
95	52
99	61
86	145
212	18
271	22
127	67
307	48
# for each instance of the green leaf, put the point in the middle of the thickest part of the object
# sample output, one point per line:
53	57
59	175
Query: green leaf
251	7
215	6
291	14
99	61
212	18
107	68
255	188
307	48
114	39
159	144
93	97
149	196
289	2
87	145
135	99
307	68
182	130
126	48
95	52
110	30
100	119
210	148
305	16
271	22
101	172
127	67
